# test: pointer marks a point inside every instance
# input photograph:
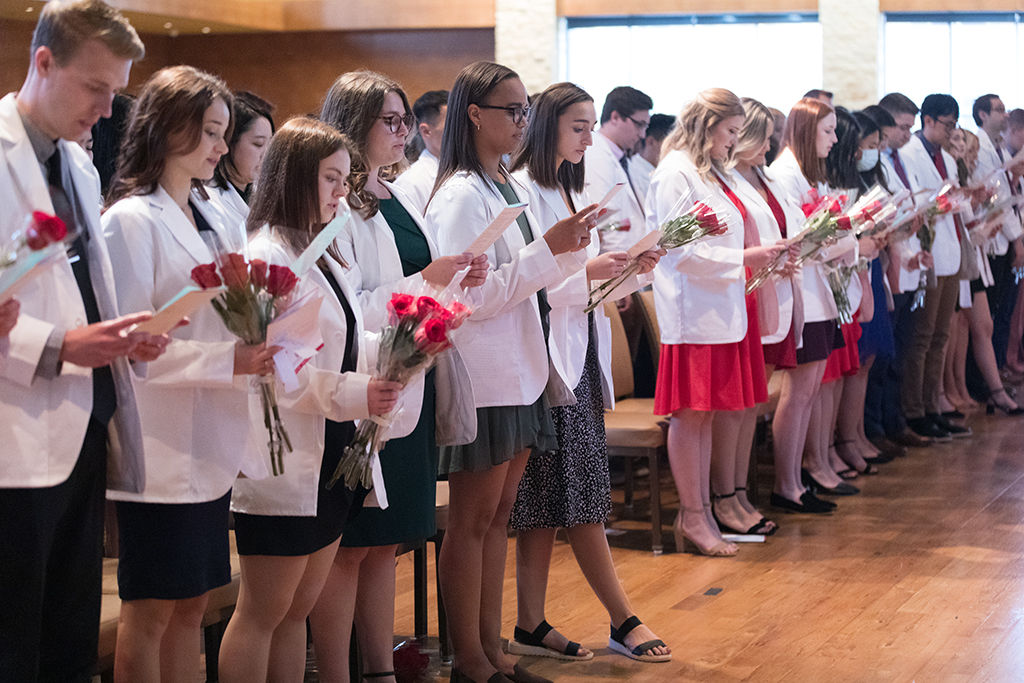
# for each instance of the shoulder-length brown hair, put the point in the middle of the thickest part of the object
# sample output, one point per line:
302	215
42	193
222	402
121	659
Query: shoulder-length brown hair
166	119
696	122
755	127
802	137
541	145
353	105
458	144
288	191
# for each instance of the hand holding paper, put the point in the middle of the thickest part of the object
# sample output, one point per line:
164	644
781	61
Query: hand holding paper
493	231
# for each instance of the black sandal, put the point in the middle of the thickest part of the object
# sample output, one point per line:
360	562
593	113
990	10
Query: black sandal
764	526
532	644
617	642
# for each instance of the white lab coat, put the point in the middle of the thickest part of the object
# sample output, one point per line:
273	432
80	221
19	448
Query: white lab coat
570	333
231	206
323	392
988	161
768	230
194	411
502	343
43	421
917	162
698	288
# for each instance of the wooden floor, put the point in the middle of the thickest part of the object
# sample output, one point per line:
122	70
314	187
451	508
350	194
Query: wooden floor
918	578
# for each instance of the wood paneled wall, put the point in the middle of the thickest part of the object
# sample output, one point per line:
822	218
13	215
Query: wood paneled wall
293	70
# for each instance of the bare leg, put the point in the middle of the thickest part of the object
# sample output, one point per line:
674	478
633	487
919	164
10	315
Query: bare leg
288	648
492	580
859	385
849	421
789	428
819	436
689	455
179	648
963	322
473	503
984	356
264	598
590	546
732	433
375	609
332	615
1015	345
533	561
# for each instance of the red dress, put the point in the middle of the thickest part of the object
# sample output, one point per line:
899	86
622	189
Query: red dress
844	362
714	376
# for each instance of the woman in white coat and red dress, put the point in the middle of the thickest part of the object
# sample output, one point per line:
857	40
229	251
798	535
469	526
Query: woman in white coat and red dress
711	358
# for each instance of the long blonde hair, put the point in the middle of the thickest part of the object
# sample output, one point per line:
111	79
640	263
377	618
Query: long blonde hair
696	122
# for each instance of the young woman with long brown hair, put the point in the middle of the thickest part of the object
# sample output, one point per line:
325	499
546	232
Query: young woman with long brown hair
288	527
194	411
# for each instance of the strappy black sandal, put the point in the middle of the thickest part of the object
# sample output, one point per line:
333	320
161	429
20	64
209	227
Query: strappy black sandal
617	642
525	643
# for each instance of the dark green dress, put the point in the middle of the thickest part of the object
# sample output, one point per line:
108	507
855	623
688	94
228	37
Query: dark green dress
409	464
504	431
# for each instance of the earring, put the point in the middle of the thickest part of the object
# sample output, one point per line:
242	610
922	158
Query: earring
478	126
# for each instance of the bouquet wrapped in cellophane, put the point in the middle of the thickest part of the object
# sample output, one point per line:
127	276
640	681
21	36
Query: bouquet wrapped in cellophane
256	294
36	245
419	328
820	229
682	228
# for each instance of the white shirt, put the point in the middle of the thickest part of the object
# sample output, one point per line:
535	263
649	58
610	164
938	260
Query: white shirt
989	161
604	171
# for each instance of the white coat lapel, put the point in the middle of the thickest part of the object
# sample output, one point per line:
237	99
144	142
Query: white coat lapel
31	189
171	215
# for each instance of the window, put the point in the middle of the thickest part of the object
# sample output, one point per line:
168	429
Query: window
774	58
942	53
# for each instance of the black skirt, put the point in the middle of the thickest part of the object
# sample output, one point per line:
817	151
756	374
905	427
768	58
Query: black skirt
172	551
820	340
294	536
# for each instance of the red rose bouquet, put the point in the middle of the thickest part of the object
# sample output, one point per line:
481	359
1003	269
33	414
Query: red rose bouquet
255	295
419	328
696	223
943	202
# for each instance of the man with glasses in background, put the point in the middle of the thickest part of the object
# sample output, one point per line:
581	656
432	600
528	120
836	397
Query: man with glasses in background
925	160
624	120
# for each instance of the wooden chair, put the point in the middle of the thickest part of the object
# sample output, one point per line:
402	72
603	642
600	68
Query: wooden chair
632	429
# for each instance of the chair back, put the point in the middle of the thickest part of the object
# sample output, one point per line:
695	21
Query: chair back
622	363
649	316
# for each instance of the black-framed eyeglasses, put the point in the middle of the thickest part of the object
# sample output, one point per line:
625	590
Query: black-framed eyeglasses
518	113
641	125
950	126
394	122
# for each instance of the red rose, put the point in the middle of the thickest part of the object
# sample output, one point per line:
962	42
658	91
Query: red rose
427	307
874	207
943	204
843	223
624	225
280	281
835	208
401	306
50	227
457	315
235	271
206	276
258	272
813	196
432	336
34	239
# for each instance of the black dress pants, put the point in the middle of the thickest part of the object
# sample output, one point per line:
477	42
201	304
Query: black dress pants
51	571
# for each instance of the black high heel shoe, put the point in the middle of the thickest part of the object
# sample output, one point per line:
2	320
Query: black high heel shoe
843	489
990	408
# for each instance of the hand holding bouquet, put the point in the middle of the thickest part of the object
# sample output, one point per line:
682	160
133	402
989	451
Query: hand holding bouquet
36	244
942	203
696	223
255	295
419	328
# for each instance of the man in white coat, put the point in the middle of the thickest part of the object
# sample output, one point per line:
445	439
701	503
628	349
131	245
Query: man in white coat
63	367
624	120
926	161
418	182
1008	244
648	153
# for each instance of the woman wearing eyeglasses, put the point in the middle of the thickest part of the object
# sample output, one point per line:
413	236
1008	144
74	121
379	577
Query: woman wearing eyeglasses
504	344
389	249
